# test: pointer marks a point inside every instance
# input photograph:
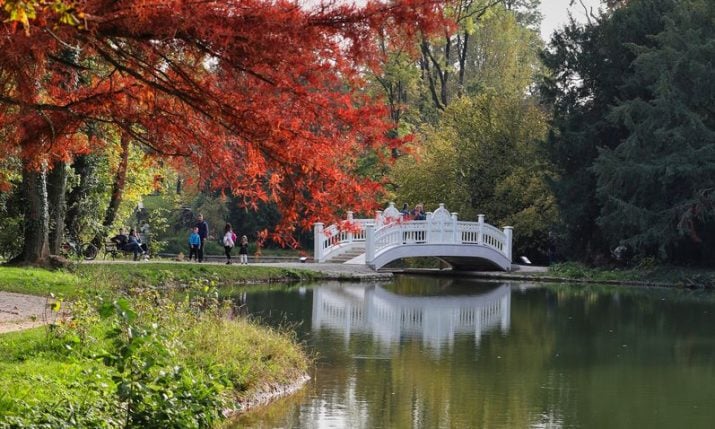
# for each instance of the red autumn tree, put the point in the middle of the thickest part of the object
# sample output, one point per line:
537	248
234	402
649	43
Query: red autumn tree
260	97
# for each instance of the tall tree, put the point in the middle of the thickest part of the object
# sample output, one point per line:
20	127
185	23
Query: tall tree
118	184
484	158
588	66
203	82
657	186
446	55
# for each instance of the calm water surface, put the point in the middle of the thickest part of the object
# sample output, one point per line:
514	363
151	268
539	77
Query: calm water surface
449	353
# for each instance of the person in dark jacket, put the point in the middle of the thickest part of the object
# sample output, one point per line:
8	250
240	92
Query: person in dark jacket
203	227
120	240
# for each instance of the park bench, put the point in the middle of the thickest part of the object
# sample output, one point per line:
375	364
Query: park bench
111	248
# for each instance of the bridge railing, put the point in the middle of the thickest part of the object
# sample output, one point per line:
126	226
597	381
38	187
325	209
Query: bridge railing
390	228
338	237
441	227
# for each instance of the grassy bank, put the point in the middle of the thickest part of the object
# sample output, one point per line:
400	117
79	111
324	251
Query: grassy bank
684	277
136	354
109	278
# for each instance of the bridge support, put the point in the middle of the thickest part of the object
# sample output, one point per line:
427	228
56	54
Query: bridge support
508	231
369	243
318	241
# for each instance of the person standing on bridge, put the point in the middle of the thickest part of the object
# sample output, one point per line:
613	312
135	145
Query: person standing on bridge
419	212
405	211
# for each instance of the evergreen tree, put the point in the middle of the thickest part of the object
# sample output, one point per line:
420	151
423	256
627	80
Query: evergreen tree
657	186
589	65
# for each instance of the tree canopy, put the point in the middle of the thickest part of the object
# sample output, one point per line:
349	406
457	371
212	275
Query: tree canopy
633	130
259	96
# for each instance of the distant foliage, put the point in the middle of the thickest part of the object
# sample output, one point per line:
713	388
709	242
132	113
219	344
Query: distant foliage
484	157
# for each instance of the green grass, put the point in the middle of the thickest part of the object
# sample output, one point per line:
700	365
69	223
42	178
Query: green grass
36	281
51	376
253	357
645	273
167	274
37	371
106	279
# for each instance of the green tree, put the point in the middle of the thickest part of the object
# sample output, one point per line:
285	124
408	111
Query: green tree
657	187
484	157
588	66
503	55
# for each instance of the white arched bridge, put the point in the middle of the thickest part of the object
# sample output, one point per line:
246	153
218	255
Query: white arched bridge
391	236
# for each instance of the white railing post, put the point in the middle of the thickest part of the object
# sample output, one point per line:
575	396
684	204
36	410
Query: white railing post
318	242
369	244
428	230
480	233
456	235
378	218
350	231
507	241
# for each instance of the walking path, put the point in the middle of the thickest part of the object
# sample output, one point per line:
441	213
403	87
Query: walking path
18	311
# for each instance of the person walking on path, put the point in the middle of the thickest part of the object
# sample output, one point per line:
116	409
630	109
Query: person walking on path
243	250
229	240
194	243
203	227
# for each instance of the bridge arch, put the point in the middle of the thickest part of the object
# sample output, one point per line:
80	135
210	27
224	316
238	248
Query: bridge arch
458	256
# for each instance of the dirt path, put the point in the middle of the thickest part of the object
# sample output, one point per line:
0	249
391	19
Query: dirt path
19	311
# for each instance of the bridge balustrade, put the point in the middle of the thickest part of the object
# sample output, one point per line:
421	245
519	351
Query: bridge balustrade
336	238
390	230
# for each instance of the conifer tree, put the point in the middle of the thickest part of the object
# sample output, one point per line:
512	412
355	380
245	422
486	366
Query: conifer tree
657	186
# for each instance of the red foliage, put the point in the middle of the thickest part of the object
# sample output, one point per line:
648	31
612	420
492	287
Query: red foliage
261	96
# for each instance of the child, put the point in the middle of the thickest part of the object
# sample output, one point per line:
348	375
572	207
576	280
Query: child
194	243
229	240
243	250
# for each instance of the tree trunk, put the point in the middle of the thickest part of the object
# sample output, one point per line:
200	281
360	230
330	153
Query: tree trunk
84	166
36	223
463	49
120	179
56	187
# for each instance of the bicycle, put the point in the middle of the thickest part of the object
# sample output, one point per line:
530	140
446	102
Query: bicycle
87	251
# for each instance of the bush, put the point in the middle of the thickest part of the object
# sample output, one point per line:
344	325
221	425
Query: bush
167	360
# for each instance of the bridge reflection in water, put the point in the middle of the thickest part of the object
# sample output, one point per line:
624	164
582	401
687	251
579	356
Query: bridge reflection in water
390	317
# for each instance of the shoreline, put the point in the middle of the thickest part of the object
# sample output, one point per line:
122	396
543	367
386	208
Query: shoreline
265	396
20	311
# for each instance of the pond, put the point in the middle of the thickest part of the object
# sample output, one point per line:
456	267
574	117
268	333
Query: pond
425	352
